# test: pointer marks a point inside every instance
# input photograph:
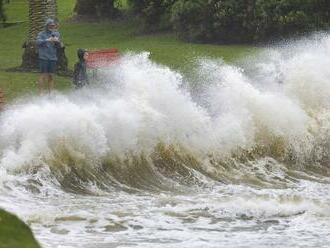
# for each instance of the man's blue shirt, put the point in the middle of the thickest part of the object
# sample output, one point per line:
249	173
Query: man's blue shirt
46	49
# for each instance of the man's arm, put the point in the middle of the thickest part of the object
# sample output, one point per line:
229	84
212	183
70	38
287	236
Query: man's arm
41	39
56	39
57	34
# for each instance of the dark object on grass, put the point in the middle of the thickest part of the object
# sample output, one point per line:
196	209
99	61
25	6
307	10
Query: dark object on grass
2	13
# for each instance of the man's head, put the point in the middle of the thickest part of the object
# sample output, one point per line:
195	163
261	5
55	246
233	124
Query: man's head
51	25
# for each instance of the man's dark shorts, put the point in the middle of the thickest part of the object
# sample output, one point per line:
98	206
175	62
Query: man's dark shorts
47	66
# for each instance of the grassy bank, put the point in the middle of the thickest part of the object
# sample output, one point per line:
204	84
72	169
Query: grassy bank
164	48
14	233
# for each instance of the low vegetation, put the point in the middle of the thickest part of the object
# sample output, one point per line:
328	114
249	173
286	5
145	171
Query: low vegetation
15	233
233	21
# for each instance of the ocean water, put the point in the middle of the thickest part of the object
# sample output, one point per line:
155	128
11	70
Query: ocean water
227	155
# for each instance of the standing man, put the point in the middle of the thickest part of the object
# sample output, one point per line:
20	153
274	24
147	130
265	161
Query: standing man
47	42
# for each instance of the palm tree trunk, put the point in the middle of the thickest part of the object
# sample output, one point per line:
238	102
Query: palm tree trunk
39	11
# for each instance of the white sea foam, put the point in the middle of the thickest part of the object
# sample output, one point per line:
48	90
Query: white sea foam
147	104
234	134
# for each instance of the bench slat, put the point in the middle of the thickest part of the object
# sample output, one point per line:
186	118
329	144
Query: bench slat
101	57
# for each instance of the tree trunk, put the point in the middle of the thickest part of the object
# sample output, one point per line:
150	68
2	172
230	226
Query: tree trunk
39	11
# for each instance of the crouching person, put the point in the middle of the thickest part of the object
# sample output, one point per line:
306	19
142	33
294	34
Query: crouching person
80	78
48	41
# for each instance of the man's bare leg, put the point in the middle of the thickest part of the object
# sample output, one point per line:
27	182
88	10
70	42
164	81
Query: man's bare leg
42	82
50	83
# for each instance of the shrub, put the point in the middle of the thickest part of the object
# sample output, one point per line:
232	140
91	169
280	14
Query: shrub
96	8
282	18
192	20
2	11
154	14
240	21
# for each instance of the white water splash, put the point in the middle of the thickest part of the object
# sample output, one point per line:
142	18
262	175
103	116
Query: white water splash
280	96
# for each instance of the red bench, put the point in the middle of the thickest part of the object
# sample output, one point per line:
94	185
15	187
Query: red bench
101	58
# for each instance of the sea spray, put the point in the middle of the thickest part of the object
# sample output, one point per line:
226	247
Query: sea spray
231	154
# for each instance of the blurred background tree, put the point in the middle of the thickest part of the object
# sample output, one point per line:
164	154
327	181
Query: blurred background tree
2	12
154	15
240	21
96	8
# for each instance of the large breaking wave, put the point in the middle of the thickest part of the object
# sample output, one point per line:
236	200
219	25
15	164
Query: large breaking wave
263	121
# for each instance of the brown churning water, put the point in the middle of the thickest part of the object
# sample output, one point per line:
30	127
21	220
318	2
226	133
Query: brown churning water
229	155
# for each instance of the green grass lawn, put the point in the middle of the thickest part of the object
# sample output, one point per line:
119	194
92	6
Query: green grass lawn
15	233
165	48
